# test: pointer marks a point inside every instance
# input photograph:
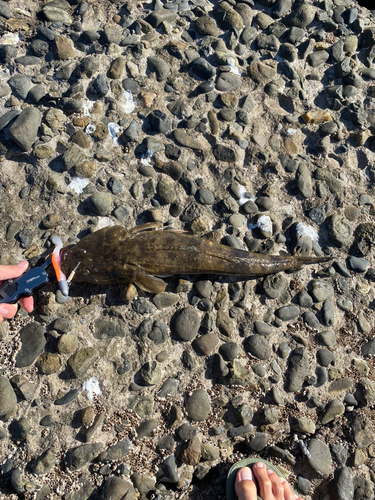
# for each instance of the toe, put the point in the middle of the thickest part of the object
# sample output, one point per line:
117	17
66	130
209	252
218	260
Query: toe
288	493
264	481
277	485
244	486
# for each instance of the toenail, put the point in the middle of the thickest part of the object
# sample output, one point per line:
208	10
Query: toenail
282	480
269	472
245	474
259	465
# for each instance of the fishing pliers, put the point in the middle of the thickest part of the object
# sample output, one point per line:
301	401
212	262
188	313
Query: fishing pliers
13	289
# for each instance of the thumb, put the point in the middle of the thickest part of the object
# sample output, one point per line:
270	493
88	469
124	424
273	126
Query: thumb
8	272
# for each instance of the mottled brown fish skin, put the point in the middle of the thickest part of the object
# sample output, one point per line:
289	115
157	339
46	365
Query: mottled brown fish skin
114	255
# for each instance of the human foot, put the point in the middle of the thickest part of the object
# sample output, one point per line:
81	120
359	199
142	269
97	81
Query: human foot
270	485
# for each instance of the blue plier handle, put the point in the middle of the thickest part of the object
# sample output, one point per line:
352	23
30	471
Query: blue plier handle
13	289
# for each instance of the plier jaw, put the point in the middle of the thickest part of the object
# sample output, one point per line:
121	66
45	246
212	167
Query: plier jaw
13	289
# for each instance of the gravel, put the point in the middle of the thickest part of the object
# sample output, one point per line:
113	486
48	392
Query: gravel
247	123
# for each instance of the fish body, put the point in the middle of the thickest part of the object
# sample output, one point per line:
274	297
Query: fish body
114	255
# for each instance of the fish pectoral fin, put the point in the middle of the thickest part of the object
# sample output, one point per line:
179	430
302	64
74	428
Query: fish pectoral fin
149	283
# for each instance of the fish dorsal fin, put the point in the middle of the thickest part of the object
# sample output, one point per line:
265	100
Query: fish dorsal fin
149	283
150	226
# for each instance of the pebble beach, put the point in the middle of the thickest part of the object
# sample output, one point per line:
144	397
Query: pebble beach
248	123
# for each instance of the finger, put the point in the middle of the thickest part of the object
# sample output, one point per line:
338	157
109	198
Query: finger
8	272
27	303
244	486
264	482
277	487
288	493
7	311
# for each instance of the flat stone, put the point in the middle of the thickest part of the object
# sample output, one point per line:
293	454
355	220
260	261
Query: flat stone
320	459
116	488
32	344
25	129
184	139
299	367
228	82
225	153
101	203
150	373
206	343
287	313
301	17
8	399
158	66
78	457
333	409
198	405
82	360
258	347
341	487
206	25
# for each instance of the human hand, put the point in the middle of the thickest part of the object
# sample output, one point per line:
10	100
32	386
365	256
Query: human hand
7	311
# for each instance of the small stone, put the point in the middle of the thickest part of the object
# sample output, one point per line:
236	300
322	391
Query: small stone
44	463
166	191
261	73
32	344
20	85
67	344
358	264
206	343
25	129
186	140
81	139
8	399
303	425
225	153
150	373
82	360
315	59
316	116
287	313
158	66
231	16
333	409
206	25
116	488
186	324
341	486
63	48
206	197
299	368
48	363
191	453
76	458
146	428
228	82
43	151
198	405
258	442
320	459
274	285
301	17
258	347
328	338
321	290
325	357
101	203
